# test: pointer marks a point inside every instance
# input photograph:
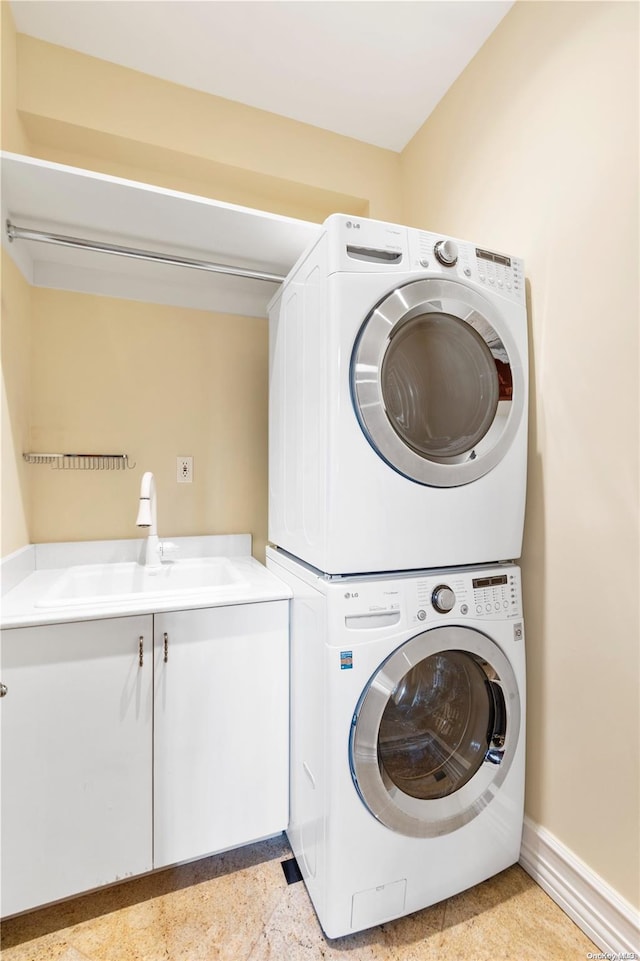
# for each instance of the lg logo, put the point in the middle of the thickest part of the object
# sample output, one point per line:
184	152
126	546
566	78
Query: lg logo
349	595
350	224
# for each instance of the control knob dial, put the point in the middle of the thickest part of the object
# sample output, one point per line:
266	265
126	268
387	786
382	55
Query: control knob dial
446	252
443	598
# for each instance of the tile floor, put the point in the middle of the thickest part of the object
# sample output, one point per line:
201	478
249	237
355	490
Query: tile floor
238	907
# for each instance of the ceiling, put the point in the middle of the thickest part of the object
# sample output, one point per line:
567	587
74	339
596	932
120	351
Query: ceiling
369	69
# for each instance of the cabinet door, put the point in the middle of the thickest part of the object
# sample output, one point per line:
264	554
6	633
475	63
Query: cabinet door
76	758
221	768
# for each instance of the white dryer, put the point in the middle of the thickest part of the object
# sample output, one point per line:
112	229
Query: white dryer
398	402
408	736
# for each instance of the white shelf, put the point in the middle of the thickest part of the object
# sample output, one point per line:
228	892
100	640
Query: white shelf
67	200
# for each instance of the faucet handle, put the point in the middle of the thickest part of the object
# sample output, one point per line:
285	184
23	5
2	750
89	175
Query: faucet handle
168	548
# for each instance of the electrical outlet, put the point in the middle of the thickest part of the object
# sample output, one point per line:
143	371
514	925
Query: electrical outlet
185	470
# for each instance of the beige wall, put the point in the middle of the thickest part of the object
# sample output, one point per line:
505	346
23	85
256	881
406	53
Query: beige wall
155	383
126	123
15	344
12	135
534	151
15	323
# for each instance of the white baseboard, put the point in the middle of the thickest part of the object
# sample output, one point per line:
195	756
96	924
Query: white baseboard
611	922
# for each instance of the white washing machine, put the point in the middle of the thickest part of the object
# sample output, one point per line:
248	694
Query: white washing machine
398	402
408	736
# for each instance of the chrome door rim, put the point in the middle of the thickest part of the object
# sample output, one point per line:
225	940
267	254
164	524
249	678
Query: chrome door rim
396	309
399	811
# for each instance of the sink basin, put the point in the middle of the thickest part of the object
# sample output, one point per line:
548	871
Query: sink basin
101	583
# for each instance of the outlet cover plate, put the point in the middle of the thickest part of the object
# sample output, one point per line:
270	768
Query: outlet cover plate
185	470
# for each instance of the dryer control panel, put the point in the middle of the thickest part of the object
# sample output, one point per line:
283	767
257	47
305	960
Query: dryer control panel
450	257
498	271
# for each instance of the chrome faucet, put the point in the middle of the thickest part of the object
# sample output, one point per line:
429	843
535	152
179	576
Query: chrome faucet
148	517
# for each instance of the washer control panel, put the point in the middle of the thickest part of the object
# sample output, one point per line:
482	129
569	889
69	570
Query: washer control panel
429	598
494	593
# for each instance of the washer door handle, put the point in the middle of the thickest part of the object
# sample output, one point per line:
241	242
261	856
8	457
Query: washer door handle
493	756
499	724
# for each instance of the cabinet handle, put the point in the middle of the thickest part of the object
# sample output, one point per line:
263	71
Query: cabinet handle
141	651
3	690
166	647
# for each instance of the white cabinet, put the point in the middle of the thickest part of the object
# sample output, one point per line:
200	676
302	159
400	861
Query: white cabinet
220	729
119	755
76	786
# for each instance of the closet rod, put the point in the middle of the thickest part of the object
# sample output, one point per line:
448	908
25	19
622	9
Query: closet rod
23	233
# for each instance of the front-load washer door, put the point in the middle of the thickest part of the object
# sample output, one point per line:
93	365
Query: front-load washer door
439	393
435	732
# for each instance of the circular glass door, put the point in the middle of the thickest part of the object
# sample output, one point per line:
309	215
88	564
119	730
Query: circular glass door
435	731
434	385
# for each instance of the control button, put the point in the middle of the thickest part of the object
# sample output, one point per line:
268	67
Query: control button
443	598
478	609
467	272
446	252
497	607
424	262
464	609
422	615
505	604
482	277
492	280
488	608
508	285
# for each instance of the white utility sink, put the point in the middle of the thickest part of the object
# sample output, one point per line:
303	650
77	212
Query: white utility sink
98	583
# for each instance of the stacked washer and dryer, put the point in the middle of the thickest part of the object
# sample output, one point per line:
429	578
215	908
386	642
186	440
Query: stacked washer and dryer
397	477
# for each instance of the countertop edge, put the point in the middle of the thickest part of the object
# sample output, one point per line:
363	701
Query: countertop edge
20	608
